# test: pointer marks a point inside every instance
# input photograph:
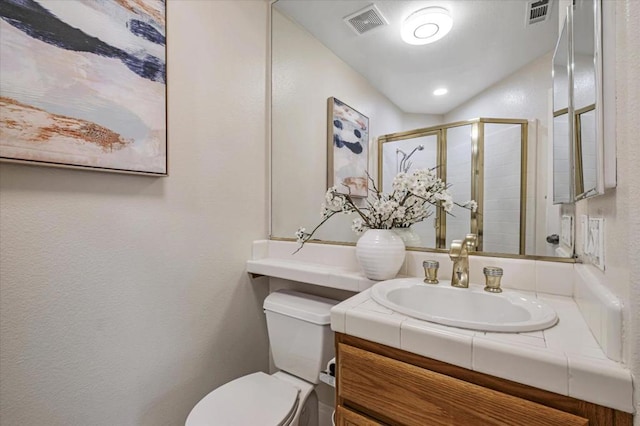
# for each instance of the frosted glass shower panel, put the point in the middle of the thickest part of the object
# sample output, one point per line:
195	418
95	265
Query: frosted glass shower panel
587	149
502	187
561	159
408	155
459	155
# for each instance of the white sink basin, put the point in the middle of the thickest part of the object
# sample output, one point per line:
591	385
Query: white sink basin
471	308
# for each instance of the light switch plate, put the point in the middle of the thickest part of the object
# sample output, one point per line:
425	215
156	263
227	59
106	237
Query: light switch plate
566	230
595	242
584	232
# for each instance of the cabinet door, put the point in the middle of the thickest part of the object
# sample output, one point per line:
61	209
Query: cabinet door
399	393
346	417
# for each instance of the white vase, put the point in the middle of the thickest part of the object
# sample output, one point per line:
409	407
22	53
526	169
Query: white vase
409	236
380	253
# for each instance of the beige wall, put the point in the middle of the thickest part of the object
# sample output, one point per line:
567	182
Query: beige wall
124	299
619	206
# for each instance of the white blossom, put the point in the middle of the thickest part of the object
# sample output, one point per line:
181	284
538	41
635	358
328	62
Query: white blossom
358	225
471	205
301	233
400	182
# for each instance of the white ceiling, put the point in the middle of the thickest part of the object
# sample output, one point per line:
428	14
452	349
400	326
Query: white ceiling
490	40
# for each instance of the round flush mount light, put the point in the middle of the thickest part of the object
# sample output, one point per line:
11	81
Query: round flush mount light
441	91
426	25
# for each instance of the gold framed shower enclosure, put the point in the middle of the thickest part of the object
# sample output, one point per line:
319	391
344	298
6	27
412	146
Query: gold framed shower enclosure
476	172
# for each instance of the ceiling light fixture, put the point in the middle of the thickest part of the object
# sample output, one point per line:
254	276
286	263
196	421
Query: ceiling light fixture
426	25
441	91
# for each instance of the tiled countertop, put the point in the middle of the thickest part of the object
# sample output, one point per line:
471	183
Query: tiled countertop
565	359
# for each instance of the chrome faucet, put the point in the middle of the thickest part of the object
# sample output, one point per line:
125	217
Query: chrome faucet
459	253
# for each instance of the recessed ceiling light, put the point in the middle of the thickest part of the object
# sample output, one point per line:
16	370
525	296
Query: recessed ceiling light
426	25
441	91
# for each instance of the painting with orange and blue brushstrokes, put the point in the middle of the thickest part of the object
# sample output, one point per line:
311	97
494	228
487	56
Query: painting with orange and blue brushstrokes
83	83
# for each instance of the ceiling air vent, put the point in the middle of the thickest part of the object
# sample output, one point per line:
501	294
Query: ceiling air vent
537	11
365	19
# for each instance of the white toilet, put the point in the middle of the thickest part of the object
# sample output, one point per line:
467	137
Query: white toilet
301	343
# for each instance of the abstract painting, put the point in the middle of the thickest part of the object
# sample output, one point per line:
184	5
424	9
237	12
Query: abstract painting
348	154
83	84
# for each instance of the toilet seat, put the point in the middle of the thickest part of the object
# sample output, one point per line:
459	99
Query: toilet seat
255	399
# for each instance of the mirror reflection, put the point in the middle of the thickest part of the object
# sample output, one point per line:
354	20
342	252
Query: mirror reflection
585	98
562	130
495	63
404	153
481	160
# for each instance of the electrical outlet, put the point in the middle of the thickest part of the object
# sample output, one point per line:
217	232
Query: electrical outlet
595	242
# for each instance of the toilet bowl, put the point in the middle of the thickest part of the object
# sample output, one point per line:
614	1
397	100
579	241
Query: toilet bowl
301	344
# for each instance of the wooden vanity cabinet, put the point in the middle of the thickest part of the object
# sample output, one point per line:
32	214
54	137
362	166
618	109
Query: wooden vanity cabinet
380	385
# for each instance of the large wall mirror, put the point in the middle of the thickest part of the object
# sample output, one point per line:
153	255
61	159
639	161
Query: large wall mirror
495	63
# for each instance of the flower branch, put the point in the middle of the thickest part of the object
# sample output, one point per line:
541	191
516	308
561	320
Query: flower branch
410	201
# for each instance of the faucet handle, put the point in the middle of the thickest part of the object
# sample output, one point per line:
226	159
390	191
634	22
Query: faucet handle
431	271
455	251
471	241
492	277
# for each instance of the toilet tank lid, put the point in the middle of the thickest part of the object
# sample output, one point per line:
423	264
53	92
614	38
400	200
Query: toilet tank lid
303	306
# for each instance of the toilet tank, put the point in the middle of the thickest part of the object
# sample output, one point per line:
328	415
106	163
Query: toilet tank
300	334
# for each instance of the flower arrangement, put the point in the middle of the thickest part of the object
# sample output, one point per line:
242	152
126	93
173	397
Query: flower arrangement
410	201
